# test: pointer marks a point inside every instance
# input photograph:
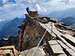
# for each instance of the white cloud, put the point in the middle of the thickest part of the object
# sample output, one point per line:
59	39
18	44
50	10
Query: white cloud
8	10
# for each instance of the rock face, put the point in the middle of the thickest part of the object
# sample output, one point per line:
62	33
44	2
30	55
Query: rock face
31	32
30	52
8	51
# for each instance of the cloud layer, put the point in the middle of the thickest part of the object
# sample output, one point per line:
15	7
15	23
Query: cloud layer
7	10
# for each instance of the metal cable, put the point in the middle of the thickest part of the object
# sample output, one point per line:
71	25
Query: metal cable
39	42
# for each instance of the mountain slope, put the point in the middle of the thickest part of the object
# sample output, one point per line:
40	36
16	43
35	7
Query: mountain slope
11	28
70	21
63	14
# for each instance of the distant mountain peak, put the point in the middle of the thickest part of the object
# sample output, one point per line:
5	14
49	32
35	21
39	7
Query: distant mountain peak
70	21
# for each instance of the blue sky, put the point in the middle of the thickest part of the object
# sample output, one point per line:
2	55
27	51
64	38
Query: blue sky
8	0
7	11
45	0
